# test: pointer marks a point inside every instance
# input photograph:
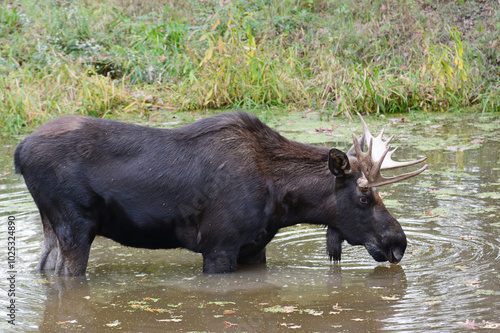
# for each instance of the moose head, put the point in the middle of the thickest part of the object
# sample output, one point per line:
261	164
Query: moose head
362	216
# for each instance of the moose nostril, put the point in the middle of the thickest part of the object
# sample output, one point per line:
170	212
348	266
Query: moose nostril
396	256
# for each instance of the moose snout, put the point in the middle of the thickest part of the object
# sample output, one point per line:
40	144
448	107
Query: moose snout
396	254
390	249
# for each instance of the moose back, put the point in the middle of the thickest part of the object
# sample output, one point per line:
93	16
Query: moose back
222	186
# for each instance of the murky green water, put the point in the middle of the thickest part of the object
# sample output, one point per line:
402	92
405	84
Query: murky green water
449	279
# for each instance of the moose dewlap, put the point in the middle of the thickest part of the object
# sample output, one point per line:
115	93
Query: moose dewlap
222	186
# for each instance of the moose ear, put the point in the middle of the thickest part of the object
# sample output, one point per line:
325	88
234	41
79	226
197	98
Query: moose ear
338	163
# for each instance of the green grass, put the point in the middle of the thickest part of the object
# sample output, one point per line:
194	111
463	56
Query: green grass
116	57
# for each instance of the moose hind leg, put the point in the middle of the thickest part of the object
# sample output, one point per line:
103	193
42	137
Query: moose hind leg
219	261
73	254
50	248
75	233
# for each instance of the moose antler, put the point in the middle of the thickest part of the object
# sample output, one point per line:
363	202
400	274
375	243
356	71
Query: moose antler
378	158
379	147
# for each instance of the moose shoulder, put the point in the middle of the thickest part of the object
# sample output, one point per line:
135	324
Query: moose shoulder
222	186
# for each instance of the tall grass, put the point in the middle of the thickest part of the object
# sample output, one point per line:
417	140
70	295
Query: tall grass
117	56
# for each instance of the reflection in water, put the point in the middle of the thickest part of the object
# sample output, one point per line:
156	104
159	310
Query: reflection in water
253	300
449	274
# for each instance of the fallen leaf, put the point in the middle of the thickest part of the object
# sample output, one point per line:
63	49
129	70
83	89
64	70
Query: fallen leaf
462	267
489	325
339	308
229	312
228	324
478	141
475	283
428	212
113	324
66	322
324	130
470	324
44	281
314	313
290	325
390	298
156	310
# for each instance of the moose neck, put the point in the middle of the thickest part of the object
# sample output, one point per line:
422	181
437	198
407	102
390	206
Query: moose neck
302	186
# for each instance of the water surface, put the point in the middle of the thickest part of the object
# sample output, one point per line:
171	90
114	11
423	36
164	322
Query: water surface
448	279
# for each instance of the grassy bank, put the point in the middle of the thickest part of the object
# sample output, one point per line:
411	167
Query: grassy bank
121	56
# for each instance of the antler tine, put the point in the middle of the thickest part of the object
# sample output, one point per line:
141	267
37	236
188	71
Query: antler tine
389	163
381	180
379	146
377	158
369	168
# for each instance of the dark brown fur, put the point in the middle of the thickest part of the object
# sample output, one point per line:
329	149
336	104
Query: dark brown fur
222	186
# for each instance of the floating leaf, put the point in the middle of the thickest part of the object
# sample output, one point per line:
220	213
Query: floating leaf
390	298
475	283
469	324
113	324
173	320
315	313
462	267
290	325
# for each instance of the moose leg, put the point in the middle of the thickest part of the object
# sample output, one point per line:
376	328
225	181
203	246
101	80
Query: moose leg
73	253
255	252
216	261
50	248
75	233
249	256
334	244
252	259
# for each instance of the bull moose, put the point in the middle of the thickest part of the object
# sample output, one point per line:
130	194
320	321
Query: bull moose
222	186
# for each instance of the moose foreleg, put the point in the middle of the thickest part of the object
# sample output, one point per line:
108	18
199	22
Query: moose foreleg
334	244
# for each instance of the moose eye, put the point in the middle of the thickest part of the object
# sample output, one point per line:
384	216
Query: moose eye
363	200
